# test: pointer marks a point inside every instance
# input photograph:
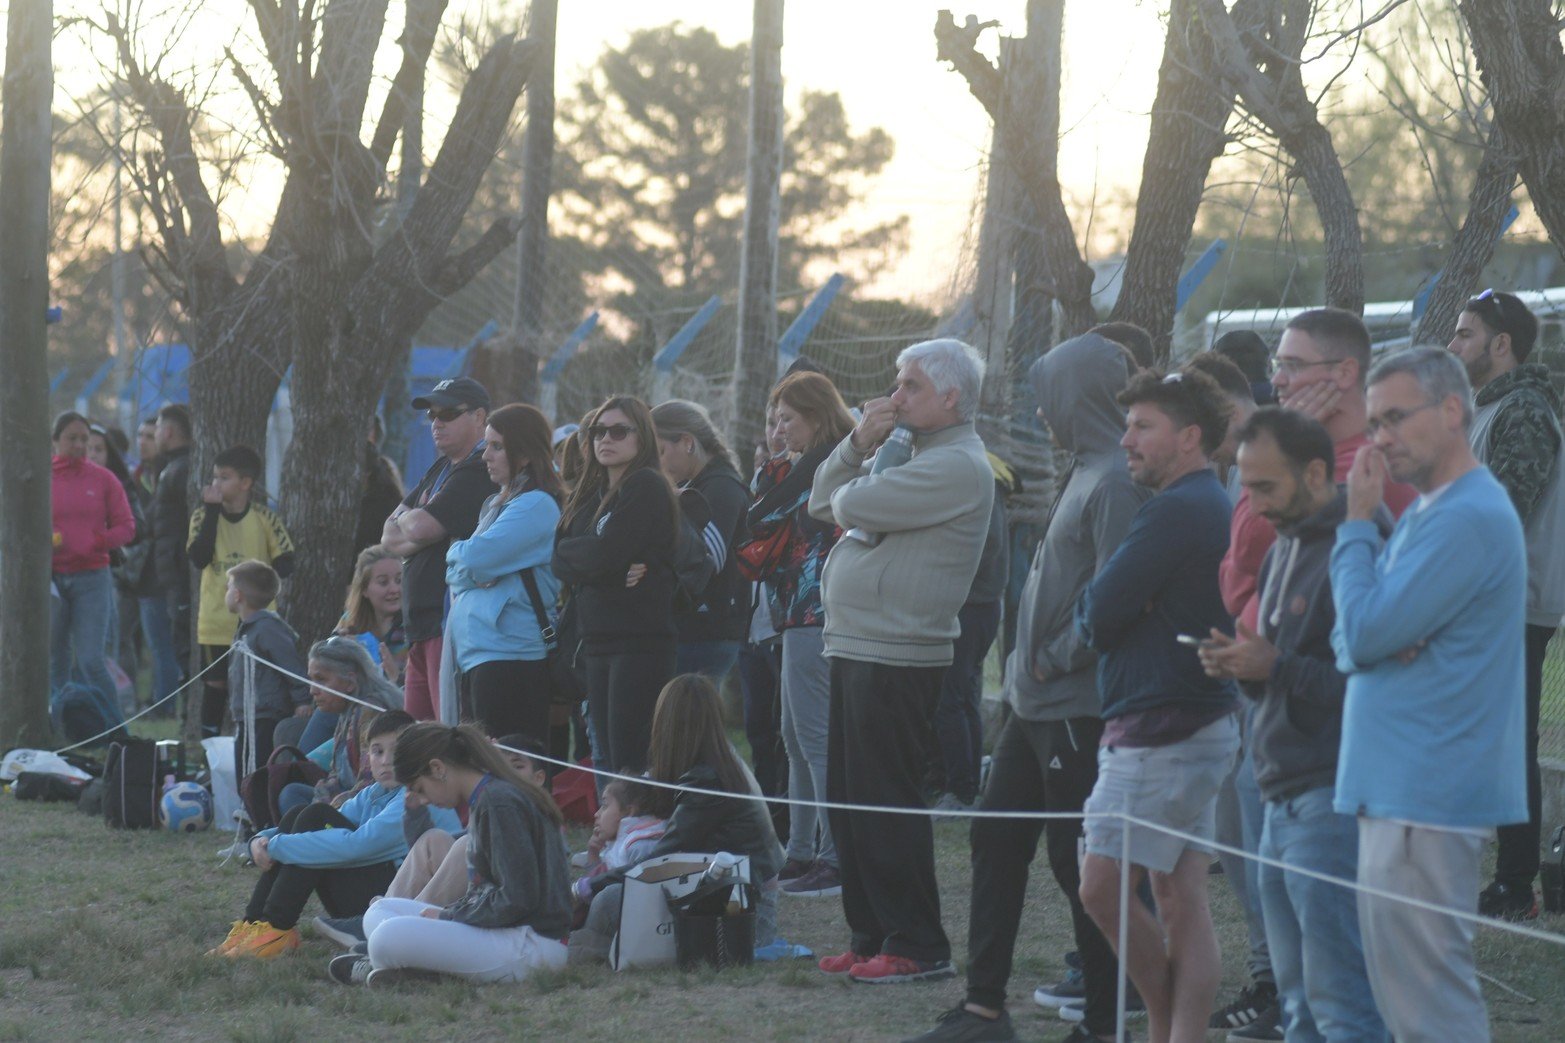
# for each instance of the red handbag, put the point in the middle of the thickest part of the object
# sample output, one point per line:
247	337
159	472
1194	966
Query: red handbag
761	556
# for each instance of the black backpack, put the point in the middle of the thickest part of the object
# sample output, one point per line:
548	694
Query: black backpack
130	785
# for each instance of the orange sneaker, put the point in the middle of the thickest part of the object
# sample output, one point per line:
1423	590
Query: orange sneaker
841	963
266	942
241	930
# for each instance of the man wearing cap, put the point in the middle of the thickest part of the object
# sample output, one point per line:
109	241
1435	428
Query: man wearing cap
1516	432
442	507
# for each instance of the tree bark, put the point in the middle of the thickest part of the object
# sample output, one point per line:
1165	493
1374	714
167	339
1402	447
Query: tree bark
755	353
532	246
25	526
1487	204
1188	132
1522	65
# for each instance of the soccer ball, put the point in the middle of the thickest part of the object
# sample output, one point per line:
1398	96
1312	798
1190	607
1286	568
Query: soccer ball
185	808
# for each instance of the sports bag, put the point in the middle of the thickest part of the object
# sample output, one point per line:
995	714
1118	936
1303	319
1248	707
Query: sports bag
131	785
261	788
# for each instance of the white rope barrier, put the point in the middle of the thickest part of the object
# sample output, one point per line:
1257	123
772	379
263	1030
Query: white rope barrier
1352	885
142	713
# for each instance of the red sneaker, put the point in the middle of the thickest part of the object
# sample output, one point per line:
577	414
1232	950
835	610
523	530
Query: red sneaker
887	969
842	964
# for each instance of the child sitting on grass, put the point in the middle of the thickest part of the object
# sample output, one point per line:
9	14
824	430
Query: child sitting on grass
252	585
690	747
623	832
514	916
345	856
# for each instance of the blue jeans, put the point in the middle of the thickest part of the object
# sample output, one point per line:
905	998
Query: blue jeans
158	632
1312	927
711	659
79	628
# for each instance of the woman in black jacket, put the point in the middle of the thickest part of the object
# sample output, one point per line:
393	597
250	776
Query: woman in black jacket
621	513
697	460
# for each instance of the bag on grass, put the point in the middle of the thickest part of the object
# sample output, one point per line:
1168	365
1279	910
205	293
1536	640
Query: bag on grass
646	921
714	925
131	787
22	760
219	750
47	787
262	787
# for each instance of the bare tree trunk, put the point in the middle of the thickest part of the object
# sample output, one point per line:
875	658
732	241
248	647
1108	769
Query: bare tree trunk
755	354
25	544
409	177
1189	117
1487	204
532	246
1522	64
994	295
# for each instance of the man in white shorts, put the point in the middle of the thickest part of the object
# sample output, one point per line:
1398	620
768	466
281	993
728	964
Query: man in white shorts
1170	732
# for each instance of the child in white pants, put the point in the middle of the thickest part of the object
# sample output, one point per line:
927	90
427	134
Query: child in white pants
516	912
402	935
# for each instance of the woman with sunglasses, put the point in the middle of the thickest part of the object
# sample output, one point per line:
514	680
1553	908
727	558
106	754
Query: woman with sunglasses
621	513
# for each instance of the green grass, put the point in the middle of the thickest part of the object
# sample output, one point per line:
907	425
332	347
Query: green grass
102	934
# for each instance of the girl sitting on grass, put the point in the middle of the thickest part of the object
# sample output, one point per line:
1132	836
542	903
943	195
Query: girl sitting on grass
345	856
690	748
516	913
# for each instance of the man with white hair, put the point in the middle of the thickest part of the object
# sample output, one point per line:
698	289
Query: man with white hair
891	616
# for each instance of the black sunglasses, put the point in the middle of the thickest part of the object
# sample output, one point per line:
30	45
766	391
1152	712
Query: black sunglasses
447	415
613	432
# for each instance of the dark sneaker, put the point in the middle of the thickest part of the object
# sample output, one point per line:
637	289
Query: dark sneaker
887	969
793	869
1076	1010
1070	989
1253	1001
1507	902
961	1025
1079	1034
388	976
1263	1028
1073	960
346	931
821	882
350	969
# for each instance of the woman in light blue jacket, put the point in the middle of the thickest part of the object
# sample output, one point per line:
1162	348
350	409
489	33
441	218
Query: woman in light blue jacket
493	623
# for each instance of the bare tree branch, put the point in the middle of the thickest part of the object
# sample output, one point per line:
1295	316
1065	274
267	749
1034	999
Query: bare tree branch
418	41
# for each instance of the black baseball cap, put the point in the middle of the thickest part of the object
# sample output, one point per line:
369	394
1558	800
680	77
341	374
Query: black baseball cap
458	391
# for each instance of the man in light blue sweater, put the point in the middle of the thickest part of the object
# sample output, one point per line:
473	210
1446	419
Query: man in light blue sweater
1429	632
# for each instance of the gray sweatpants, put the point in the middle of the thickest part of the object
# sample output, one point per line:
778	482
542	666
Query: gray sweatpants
1421	965
806	713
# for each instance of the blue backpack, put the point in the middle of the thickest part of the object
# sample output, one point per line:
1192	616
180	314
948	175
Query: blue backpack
79	712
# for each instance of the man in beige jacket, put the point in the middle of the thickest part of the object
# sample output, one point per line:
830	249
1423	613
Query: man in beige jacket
891	607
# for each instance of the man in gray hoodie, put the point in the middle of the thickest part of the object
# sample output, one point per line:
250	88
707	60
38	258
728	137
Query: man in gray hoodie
1288	667
1045	758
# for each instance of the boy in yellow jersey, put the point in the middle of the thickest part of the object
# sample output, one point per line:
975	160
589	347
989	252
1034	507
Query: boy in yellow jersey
225	530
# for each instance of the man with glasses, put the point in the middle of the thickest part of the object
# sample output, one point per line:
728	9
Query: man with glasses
1429	632
1516	433
442	507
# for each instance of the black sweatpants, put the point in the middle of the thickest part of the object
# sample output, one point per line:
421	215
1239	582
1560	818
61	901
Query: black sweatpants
509	695
281	893
875	754
1516	862
622	691
1036	766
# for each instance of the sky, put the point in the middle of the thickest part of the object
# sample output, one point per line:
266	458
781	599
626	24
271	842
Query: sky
879	54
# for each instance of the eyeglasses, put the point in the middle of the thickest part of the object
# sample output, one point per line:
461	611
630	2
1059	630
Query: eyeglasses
613	432
445	416
1392	419
1293	367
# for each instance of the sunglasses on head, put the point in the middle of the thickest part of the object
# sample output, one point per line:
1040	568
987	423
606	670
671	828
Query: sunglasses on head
613	432
446	415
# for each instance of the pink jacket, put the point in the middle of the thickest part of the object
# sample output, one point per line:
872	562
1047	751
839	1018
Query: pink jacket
91	515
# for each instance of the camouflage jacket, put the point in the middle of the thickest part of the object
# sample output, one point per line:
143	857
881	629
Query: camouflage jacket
1524	437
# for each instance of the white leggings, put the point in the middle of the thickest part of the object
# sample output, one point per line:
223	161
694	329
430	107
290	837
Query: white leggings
400	937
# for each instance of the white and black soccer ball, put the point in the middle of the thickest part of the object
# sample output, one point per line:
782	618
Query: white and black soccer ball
185	808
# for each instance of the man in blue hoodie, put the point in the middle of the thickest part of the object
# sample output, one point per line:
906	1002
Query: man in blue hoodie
1430	633
1169	731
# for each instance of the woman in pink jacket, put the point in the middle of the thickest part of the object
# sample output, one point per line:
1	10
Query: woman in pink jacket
91	518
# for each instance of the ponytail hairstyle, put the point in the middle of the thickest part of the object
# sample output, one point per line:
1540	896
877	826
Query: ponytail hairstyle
464	747
687	730
678	417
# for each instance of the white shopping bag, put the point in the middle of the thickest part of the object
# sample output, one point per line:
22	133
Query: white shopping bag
22	759
225	788
646	925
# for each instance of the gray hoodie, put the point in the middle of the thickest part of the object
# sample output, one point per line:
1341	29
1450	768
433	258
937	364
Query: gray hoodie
1075	383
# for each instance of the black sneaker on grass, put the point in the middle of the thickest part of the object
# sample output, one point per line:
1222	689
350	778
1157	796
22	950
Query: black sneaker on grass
350	969
1079	1034
346	931
1070	989
1076	1010
960	1025
1507	902
1254	1001
1263	1029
